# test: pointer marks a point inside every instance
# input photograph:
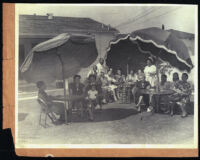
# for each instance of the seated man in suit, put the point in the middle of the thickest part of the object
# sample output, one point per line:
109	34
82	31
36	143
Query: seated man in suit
57	108
76	91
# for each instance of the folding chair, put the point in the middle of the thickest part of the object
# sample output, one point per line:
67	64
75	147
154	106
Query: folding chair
47	112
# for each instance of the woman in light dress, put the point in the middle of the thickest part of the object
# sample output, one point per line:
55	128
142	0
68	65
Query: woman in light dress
150	73
111	80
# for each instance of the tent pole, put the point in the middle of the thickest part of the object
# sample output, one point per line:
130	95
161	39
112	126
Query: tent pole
127	69
157	72
64	87
157	75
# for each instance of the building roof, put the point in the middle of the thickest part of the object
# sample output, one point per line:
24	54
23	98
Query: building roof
182	35
42	25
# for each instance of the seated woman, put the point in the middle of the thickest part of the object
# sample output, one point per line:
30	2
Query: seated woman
131	77
76	92
138	76
181	96
57	108
92	81
120	78
92	98
112	87
104	86
142	84
131	80
110	72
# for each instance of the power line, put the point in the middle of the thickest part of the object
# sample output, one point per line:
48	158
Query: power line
135	18
168	12
139	16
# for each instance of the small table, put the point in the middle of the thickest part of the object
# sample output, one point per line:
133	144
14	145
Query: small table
152	92
67	99
125	93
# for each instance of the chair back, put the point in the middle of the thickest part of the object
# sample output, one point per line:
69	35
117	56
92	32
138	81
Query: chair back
43	105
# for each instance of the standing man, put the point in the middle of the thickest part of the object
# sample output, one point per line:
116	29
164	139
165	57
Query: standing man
100	66
76	91
93	71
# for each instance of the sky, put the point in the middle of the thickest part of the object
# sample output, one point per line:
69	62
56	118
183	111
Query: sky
125	17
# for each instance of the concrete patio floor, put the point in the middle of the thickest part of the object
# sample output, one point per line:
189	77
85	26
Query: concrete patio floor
115	124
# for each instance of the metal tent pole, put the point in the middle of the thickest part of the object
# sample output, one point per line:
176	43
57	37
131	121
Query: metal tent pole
64	86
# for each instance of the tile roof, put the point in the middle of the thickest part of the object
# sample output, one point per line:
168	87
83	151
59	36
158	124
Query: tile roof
34	24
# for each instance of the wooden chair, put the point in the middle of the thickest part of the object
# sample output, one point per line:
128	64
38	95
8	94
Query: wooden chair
47	112
76	108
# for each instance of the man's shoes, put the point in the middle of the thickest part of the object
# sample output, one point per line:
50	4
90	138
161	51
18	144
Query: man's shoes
150	109
167	111
139	108
104	101
59	122
184	115
98	106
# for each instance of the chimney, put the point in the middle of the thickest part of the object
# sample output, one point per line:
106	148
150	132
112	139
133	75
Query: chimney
50	15
163	27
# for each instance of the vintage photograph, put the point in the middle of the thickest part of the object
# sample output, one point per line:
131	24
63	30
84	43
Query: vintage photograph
99	75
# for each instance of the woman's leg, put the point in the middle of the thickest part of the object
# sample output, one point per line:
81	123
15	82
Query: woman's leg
115	91
114	94
171	106
182	105
134	90
140	100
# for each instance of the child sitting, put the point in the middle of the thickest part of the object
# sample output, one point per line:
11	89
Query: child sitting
92	100
57	108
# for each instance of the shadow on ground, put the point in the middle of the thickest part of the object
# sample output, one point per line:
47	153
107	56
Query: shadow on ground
22	116
110	114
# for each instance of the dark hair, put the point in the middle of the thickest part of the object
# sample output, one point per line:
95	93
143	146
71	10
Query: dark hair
175	73
151	60
77	76
185	74
164	75
93	85
101	59
92	75
39	84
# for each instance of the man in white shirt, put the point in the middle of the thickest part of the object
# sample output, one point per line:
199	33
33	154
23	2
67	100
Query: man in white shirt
100	66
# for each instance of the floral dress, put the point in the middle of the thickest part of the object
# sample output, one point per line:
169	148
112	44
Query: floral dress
182	92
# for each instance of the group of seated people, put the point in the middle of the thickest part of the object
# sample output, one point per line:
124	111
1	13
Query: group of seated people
102	86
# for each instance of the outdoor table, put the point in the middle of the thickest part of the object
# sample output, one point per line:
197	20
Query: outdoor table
68	99
152	92
125	94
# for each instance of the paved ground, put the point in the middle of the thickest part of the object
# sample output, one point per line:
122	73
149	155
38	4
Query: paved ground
116	124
